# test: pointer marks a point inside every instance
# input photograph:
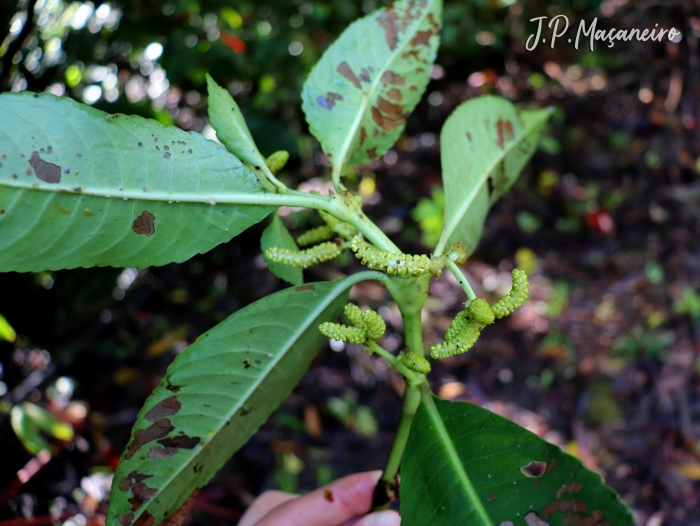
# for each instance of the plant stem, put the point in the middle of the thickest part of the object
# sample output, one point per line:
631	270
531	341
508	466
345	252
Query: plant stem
411	400
461	278
413	333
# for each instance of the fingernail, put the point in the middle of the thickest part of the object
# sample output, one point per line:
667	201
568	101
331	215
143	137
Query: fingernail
382	518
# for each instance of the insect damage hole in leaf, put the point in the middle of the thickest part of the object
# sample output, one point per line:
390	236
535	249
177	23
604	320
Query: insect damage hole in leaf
534	469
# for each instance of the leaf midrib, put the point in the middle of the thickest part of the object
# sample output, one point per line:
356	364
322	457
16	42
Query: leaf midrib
449	229
454	461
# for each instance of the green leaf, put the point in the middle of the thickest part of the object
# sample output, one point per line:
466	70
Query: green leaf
231	129
276	235
7	333
215	395
28	420
485	144
79	187
358	96
463	464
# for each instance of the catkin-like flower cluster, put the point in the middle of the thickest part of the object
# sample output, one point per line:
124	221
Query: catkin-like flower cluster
395	264
304	258
365	326
515	298
465	329
414	362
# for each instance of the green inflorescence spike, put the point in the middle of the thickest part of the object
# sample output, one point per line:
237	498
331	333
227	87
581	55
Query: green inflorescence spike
415	362
316	235
337	331
375	324
480	311
304	258
515	298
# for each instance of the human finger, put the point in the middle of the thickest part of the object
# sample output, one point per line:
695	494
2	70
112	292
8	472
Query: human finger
265	503
331	505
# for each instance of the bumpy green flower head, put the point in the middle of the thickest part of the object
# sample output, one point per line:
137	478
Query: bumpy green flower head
515	298
374	323
367	326
415	362
395	264
315	235
354	315
304	258
464	341
337	331
480	311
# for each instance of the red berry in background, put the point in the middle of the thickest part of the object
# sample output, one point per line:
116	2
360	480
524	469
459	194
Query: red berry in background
601	221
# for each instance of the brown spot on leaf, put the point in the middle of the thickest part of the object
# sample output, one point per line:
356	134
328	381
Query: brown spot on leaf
389	77
303	288
166	155
372	152
78	154
88	212
574	487
433	22
387	123
394	94
146	519
389	108
140	491
534	469
565	506
161	452
2	211
469	136
550	467
503	127
363	135
180	516
493	496
364	74
388	20
421	38
180	442
125	520
345	71
160	429
326	102
594	520
47	172
144	224
328	495
167	407
77	189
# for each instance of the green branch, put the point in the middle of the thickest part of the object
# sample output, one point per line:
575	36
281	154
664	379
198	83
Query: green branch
452	266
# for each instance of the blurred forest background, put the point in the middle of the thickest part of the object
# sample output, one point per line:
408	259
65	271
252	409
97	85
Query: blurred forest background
602	361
